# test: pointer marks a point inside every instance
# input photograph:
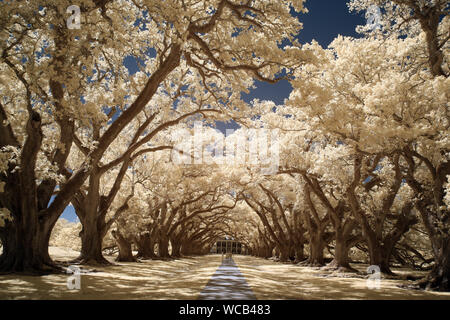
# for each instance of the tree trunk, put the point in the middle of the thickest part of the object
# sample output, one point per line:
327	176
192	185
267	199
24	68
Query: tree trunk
21	252
284	253
25	239
125	252
341	260
378	255
176	248
316	246
299	251
91	244
146	247
163	247
269	251
276	253
263	252
45	233
438	279
380	250
186	248
25	246
93	227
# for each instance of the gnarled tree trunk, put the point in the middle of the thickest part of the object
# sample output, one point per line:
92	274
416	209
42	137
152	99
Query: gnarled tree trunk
316	247
125	252
344	241
378	256
186	248
341	260
146	246
284	253
439	277
299	251
91	245
176	248
163	247
25	248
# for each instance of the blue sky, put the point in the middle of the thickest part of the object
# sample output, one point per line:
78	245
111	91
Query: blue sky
325	20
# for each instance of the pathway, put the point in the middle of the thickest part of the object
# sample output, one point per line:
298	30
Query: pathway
227	283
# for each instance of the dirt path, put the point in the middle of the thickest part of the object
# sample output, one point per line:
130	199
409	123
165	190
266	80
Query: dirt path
227	283
205	277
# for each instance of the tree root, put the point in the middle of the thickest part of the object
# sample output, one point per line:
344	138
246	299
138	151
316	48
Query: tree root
339	269
91	261
434	282
41	269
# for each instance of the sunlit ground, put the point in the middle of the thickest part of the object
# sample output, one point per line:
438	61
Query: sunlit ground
273	280
151	279
186	278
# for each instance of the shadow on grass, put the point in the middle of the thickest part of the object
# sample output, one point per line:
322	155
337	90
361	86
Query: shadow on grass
150	279
272	280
